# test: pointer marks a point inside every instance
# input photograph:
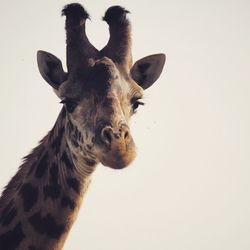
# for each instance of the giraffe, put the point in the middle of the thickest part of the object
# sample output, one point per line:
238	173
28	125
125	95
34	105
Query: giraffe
100	92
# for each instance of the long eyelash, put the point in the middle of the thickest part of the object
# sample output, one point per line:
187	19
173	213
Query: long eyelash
63	101
137	99
136	103
141	103
69	104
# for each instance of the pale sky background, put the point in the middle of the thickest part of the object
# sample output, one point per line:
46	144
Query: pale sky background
189	187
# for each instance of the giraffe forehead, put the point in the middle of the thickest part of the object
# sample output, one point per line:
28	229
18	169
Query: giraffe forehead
108	75
102	76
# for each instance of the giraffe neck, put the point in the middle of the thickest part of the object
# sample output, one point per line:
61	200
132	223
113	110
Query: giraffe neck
40	203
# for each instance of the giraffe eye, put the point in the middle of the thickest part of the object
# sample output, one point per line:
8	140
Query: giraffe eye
69	104
136	104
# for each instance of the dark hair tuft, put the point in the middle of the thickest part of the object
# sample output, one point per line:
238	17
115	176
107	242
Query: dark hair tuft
75	11
115	14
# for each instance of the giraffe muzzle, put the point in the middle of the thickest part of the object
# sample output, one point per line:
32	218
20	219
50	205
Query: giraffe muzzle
119	147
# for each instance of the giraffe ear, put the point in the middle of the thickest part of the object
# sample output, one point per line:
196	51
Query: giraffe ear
148	69
51	69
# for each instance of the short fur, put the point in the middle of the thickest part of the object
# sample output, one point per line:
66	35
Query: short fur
99	95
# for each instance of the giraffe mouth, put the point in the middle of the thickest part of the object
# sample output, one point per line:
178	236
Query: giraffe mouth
119	155
117	161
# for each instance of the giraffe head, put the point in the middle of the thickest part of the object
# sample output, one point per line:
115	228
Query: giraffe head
102	89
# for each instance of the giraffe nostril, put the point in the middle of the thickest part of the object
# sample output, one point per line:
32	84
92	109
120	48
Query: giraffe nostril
106	135
109	136
126	135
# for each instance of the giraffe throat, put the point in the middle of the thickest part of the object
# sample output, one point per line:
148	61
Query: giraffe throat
41	206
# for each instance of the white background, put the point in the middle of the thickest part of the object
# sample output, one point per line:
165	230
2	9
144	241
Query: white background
189	187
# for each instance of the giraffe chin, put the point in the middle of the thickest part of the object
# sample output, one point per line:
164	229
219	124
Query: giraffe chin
117	160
